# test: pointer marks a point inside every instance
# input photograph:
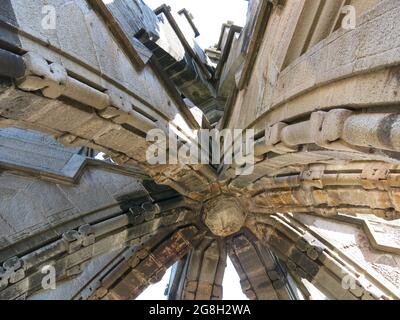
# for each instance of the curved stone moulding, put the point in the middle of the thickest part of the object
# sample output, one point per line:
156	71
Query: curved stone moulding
309	247
352	77
81	127
356	189
331	136
317	218
146	266
70	254
200	274
11	65
338	129
121	108
262	275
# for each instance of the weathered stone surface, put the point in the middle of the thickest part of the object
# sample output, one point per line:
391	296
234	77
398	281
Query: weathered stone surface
146	266
341	263
199	276
317	218
260	273
224	215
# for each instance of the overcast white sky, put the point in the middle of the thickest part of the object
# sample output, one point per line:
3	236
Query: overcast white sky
209	15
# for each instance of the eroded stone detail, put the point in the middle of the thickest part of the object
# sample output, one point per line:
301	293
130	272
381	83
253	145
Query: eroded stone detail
320	213
224	215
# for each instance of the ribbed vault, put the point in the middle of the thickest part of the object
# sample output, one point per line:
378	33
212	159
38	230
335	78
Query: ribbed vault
319	213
